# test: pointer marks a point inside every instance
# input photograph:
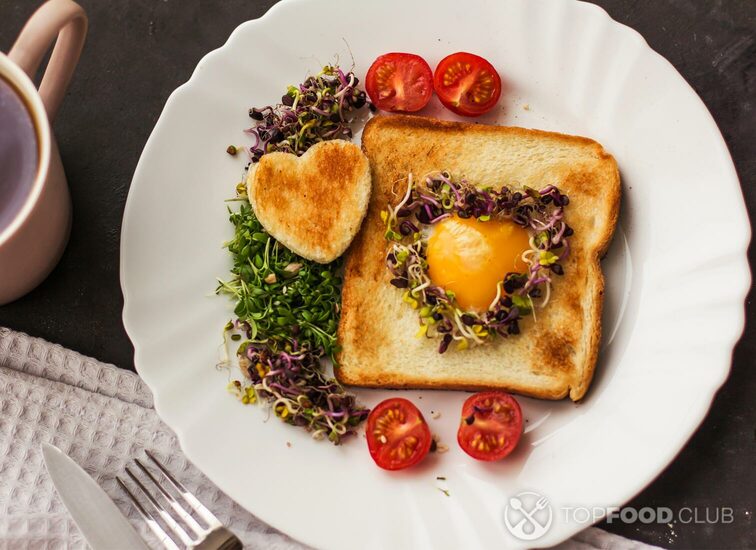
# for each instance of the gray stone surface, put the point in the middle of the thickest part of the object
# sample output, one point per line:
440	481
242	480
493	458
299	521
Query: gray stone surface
138	51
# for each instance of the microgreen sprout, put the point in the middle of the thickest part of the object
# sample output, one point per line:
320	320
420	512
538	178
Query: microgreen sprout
438	197
317	110
290	378
287	307
280	295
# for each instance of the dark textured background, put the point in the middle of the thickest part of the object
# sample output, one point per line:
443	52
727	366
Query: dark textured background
138	51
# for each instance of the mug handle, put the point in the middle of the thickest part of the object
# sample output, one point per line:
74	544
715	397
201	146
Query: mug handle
65	20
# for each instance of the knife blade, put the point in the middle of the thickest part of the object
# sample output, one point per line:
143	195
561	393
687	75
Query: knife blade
96	515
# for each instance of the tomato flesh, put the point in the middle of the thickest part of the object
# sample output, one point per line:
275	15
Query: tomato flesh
399	82
467	84
397	435
491	425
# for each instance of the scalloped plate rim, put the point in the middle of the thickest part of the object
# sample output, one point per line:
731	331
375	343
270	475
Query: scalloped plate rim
726	343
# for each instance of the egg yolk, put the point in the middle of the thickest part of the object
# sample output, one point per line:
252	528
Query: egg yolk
470	257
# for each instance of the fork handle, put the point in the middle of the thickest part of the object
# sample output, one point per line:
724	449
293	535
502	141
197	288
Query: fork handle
219	539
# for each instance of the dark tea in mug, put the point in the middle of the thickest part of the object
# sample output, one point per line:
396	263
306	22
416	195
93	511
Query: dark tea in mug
19	155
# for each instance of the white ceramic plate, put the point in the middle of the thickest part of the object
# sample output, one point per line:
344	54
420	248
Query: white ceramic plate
676	273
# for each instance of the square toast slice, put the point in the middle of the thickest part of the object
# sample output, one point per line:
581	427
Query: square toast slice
555	354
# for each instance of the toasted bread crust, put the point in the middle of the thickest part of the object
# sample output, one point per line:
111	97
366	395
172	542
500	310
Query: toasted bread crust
313	204
614	192
553	357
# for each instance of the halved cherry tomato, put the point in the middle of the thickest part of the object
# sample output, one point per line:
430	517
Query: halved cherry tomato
467	84
399	82
397	434
491	425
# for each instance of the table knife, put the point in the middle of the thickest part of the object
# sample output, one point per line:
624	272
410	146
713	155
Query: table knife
99	519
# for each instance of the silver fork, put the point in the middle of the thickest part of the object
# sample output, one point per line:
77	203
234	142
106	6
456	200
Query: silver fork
212	537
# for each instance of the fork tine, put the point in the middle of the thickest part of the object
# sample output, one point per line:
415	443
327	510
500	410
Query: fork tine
198	507
167	518
152	523
183	514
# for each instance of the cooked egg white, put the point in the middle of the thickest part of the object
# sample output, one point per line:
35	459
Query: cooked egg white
470	257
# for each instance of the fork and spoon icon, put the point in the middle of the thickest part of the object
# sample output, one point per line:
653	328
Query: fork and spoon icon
538	529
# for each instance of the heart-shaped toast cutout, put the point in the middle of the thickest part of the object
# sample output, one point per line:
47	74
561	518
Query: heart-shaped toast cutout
313	204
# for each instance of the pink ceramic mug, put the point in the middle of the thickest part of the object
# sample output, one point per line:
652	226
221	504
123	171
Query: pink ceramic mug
35	206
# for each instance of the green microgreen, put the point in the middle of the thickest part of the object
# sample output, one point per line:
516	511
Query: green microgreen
279	294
